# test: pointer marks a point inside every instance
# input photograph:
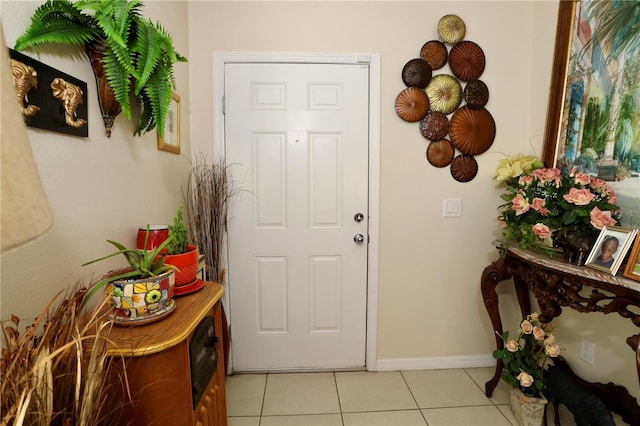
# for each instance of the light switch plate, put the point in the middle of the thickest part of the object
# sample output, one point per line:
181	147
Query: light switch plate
452	207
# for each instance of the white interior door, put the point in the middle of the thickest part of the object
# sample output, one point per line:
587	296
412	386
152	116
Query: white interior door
297	142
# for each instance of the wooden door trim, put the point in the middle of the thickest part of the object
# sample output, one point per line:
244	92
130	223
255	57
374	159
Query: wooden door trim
373	61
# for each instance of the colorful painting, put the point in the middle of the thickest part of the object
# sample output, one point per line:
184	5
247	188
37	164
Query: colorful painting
593	122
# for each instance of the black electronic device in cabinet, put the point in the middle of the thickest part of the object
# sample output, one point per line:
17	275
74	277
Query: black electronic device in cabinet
203	357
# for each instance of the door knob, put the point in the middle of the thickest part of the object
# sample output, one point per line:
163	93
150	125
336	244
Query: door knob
358	238
358	217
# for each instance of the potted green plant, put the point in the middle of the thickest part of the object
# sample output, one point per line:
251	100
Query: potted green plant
524	361
144	290
180	253
127	52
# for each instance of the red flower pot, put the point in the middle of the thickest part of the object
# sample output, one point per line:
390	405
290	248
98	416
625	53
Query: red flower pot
187	263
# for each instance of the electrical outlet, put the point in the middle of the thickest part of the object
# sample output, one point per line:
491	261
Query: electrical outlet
587	351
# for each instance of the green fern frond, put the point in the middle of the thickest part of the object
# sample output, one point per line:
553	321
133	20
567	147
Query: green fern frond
118	80
56	22
149	50
159	93
147	121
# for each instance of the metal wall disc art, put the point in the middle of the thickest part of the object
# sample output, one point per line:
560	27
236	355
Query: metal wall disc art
437	100
476	94
464	168
434	126
416	72
472	131
445	93
467	60
451	29
440	153
412	104
435	53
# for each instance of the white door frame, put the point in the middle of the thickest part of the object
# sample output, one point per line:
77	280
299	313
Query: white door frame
373	61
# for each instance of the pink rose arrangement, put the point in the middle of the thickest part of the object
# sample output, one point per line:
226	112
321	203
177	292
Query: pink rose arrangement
539	201
525	358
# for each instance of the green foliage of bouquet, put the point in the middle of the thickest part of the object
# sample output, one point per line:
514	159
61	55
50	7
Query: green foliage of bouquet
525	359
539	201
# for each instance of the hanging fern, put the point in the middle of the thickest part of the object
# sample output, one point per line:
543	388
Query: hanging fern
139	53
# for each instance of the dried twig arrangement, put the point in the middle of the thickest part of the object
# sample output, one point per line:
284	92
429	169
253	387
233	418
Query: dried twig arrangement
208	196
55	371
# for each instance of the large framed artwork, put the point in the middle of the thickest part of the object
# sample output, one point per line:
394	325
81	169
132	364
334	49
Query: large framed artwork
593	120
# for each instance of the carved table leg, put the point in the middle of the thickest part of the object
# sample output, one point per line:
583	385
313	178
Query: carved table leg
491	277
524	299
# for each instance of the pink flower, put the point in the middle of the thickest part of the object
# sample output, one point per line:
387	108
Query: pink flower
541	230
601	218
526	326
525	180
579	197
582	179
525	379
550	340
548	175
552	350
520	205
512	346
538	203
538	333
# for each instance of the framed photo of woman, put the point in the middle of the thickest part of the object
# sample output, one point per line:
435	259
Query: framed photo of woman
610	248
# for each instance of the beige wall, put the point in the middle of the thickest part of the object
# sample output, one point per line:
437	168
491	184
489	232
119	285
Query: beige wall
98	188
429	298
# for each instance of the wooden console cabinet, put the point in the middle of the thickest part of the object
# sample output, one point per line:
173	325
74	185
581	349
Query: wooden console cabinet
556	284
158	365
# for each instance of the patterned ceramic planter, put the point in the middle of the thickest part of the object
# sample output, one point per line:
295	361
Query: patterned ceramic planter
142	300
527	410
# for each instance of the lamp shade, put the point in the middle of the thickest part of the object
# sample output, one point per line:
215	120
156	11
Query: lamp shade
24	210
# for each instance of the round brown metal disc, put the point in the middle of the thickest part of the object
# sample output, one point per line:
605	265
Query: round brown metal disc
472	131
476	94
464	168
467	60
412	104
416	72
440	153
435	53
434	126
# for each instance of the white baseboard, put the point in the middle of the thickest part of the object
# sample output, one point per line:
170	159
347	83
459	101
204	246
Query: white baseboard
435	363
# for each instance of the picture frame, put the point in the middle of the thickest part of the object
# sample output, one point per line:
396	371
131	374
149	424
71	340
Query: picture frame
170	142
590	99
610	248
632	269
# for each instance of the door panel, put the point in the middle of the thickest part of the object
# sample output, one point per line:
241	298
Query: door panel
297	142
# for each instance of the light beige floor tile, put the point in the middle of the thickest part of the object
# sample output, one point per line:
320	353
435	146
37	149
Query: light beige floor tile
309	420
244	394
482	375
373	391
243	421
465	416
444	388
506	411
300	393
385	418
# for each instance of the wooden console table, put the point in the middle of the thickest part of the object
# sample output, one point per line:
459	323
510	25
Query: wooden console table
160	363
556	284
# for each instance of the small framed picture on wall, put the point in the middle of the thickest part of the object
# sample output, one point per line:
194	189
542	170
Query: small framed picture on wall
170	142
610	248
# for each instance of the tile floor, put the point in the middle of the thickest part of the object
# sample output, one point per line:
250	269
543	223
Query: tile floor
395	398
